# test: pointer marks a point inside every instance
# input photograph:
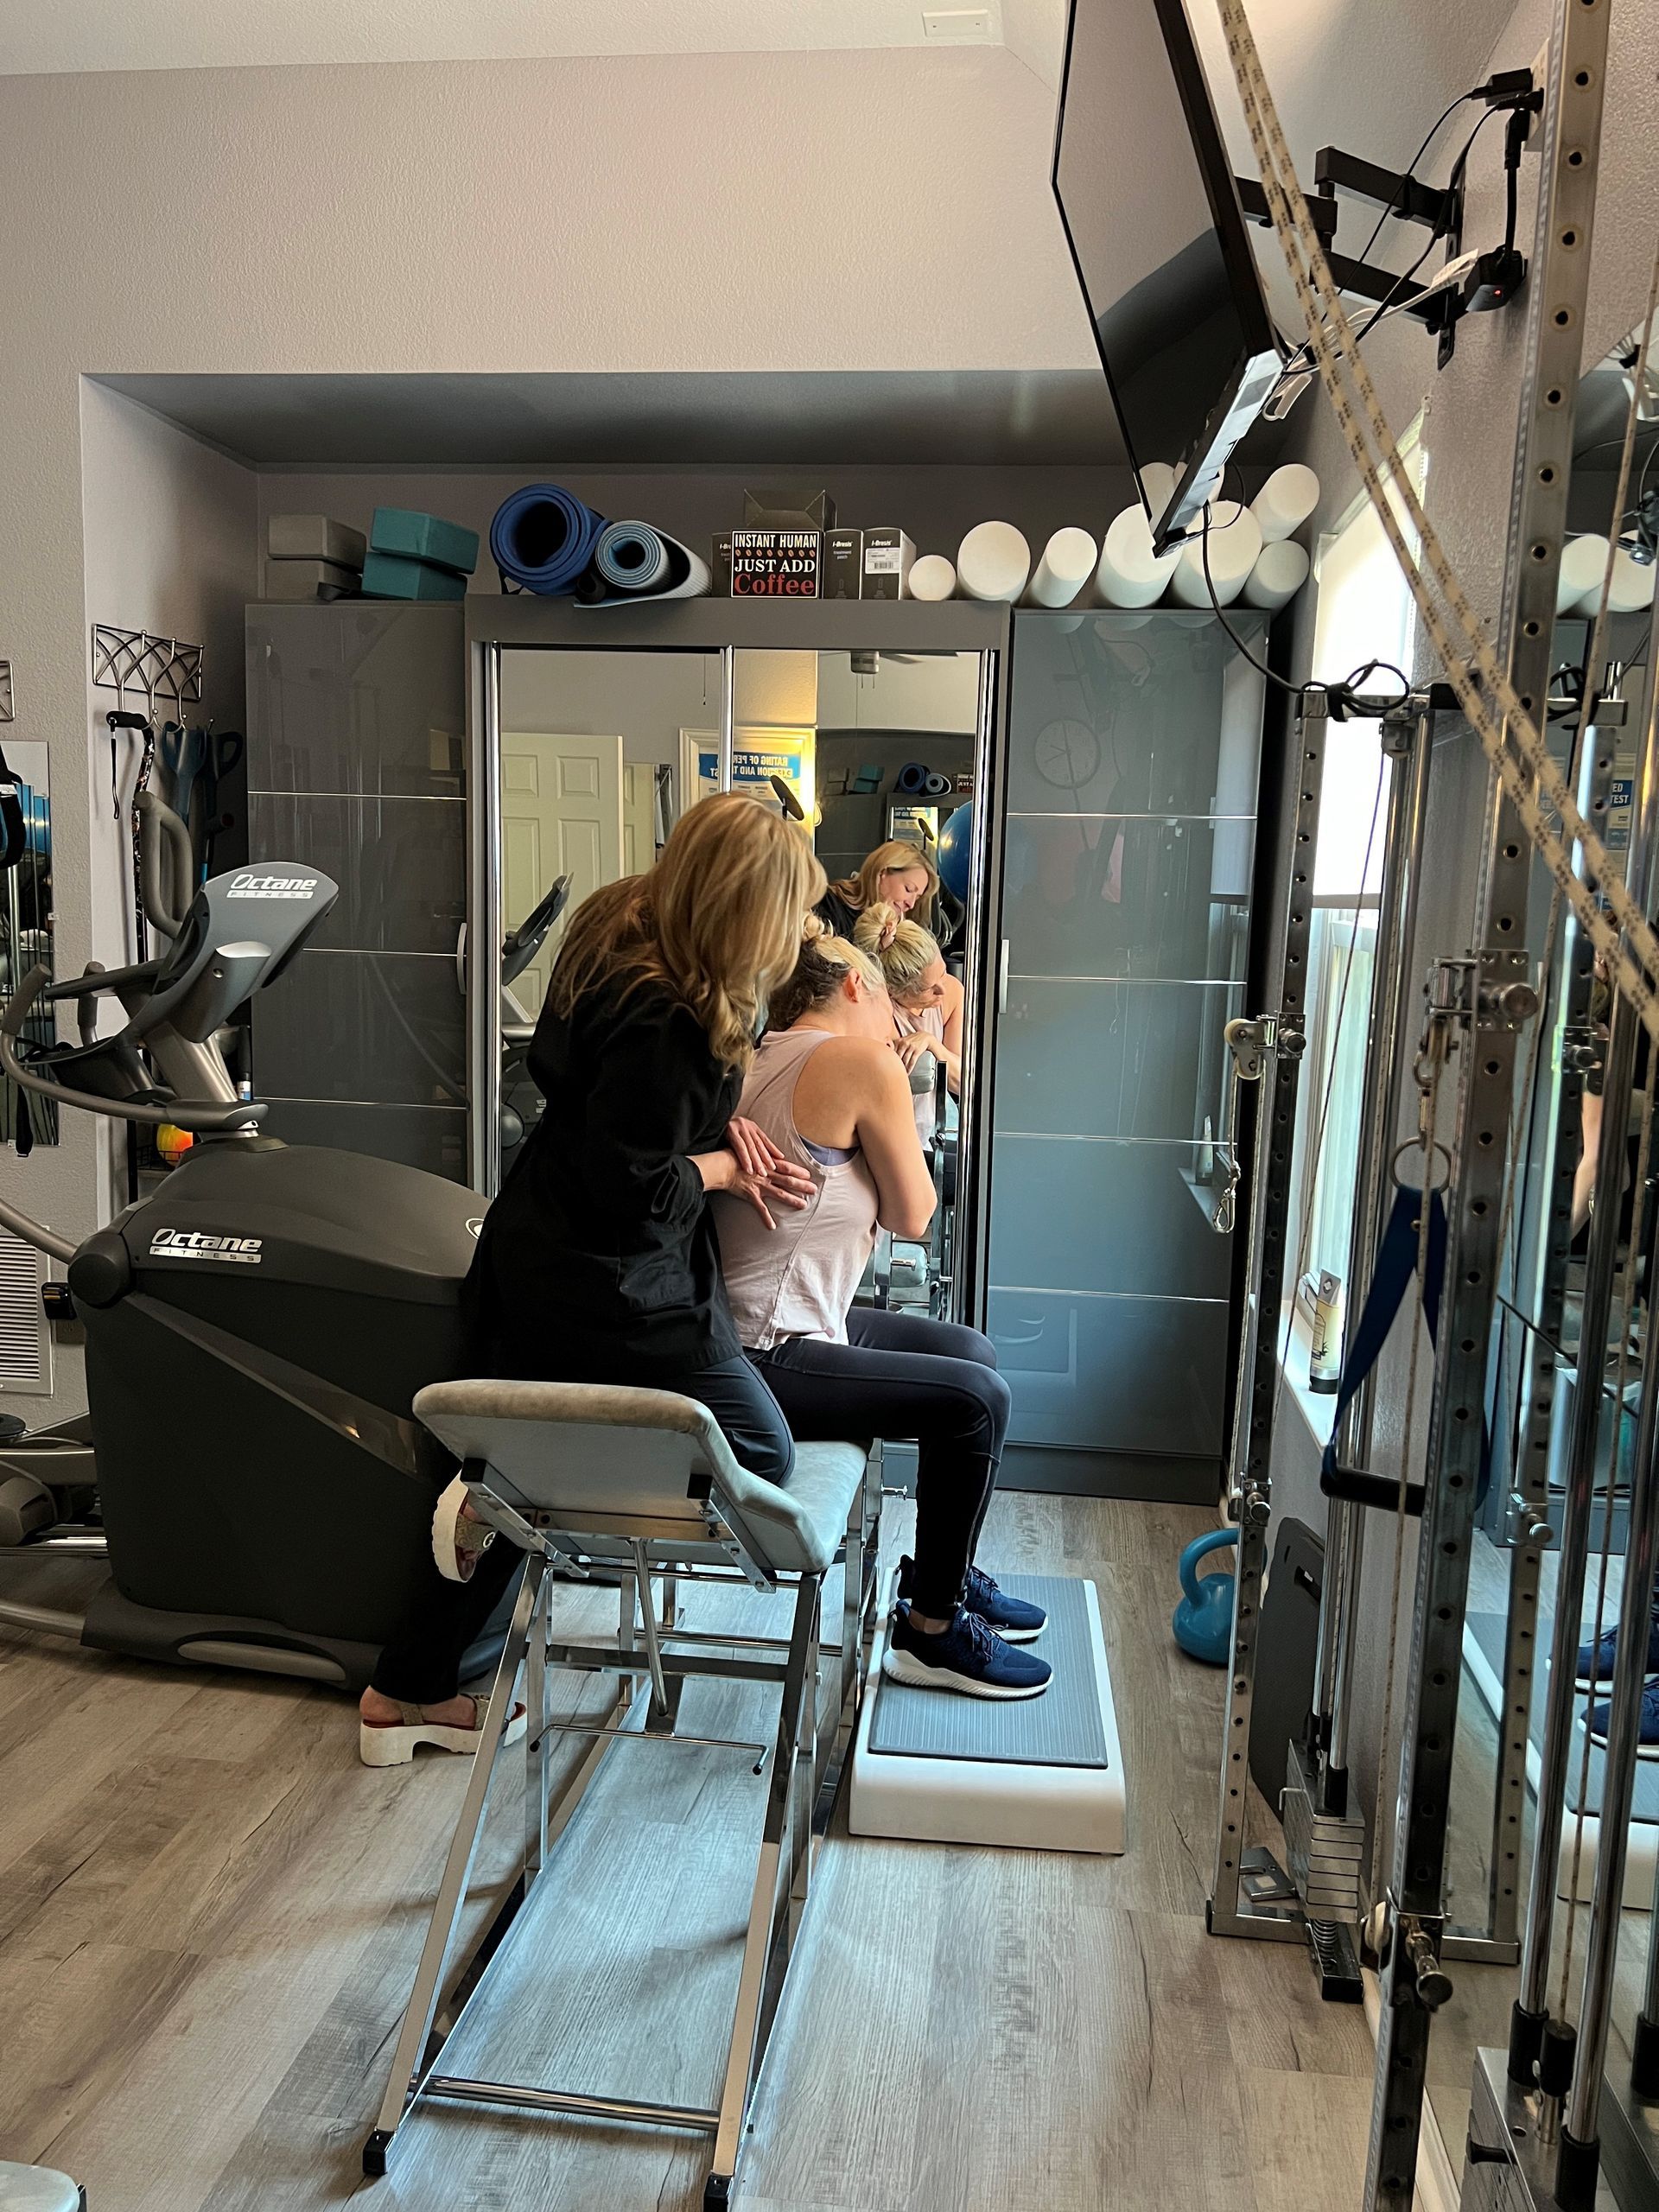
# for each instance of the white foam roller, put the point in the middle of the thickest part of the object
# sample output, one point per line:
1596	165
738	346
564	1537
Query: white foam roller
1280	573
1235	548
1631	589
1128	574
1068	562
932	577
1158	481
1583	560
992	563
1285	501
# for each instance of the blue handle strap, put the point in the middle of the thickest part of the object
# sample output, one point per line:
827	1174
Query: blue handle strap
1396	1263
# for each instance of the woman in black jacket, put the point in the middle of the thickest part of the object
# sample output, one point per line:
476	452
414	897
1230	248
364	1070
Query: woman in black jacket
598	1261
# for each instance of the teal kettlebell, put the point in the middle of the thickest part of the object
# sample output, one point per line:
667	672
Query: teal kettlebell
1203	1622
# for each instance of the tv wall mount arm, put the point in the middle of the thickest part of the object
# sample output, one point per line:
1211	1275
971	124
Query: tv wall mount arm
1493	283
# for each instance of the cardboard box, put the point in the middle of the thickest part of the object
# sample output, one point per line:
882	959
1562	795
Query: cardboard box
776	563
790	509
887	556
843	564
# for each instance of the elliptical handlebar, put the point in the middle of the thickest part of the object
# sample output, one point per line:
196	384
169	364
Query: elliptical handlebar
520	946
163	838
181	1114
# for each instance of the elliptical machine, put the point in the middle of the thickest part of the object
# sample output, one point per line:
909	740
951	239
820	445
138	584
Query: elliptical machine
521	1103
256	1331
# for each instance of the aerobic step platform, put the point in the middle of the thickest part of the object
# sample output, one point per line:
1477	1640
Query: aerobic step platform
1041	1773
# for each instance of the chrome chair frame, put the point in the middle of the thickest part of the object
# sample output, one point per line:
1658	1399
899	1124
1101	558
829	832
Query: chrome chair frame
652	1656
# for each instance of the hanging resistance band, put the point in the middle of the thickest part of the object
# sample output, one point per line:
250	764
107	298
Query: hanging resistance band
1396	1264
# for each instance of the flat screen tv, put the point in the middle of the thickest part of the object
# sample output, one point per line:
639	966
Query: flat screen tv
1152	215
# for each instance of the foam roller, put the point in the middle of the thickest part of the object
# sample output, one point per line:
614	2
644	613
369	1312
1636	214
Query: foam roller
1278	575
932	577
992	563
1128	575
1068	562
1285	501
1234	546
1157	481
1631	589
1583	560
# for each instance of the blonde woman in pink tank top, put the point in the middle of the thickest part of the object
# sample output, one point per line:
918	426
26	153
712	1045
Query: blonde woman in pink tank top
829	1090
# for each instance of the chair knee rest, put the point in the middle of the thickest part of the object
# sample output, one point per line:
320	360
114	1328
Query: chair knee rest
802	1522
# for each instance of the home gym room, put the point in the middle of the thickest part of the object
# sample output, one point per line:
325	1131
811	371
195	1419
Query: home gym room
1195	466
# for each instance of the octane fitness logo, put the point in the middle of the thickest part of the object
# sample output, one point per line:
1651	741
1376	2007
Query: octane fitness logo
250	886
196	1244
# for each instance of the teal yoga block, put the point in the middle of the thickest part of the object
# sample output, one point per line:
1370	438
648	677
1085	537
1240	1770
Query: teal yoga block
424	537
388	576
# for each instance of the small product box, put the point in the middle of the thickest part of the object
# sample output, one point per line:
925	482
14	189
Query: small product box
776	563
720	563
843	563
887	556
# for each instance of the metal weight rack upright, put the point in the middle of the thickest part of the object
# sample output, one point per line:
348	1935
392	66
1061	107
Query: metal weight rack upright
1481	1002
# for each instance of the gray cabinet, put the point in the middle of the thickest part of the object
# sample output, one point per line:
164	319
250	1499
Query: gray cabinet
1132	767
356	752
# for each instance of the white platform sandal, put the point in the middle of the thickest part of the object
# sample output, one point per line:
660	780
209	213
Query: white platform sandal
457	1541
395	1743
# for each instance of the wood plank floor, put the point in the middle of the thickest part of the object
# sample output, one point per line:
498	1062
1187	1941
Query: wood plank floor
210	1914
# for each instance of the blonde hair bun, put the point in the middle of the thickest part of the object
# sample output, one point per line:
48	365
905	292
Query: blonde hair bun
904	949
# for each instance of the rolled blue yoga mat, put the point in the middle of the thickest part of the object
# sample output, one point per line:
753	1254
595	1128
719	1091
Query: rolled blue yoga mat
543	538
634	560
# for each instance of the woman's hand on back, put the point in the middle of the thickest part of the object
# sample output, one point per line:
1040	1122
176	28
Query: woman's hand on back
764	1176
911	1047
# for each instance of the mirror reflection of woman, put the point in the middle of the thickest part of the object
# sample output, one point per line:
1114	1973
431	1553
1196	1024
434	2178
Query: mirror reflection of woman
898	874
927	1005
599	1261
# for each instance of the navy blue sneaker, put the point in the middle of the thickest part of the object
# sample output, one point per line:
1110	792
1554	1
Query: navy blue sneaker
1016	1620
1596	1660
1646	1740
967	1656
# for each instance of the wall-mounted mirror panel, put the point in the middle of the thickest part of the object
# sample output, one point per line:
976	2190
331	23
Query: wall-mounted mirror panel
26	931
598	753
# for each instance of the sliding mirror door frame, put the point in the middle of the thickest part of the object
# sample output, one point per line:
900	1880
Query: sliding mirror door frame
498	624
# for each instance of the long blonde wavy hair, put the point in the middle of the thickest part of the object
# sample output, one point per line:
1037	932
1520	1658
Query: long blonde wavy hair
717	921
863	890
903	950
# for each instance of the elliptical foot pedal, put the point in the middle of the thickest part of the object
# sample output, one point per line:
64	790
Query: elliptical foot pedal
1336	1961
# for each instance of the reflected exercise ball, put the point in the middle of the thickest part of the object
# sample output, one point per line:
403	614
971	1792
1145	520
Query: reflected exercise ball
955	851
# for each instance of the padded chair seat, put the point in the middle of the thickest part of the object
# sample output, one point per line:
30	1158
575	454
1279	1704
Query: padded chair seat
570	1449
36	2189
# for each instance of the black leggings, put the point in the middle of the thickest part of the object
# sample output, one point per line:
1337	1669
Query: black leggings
421	1665
900	1375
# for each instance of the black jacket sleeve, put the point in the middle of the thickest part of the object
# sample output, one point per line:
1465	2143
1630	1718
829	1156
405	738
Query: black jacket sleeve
651	1094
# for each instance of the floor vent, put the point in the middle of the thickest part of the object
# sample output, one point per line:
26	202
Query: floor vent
25	1338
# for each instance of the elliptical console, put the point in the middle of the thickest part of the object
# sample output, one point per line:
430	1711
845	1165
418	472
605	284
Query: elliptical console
256	1331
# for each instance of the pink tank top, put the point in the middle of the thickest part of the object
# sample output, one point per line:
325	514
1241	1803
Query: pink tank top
797	1279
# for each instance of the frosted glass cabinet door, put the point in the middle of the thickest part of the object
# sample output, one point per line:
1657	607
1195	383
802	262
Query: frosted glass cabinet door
1133	767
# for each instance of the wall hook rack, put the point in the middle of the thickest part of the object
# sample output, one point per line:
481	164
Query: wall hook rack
8	712
155	668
